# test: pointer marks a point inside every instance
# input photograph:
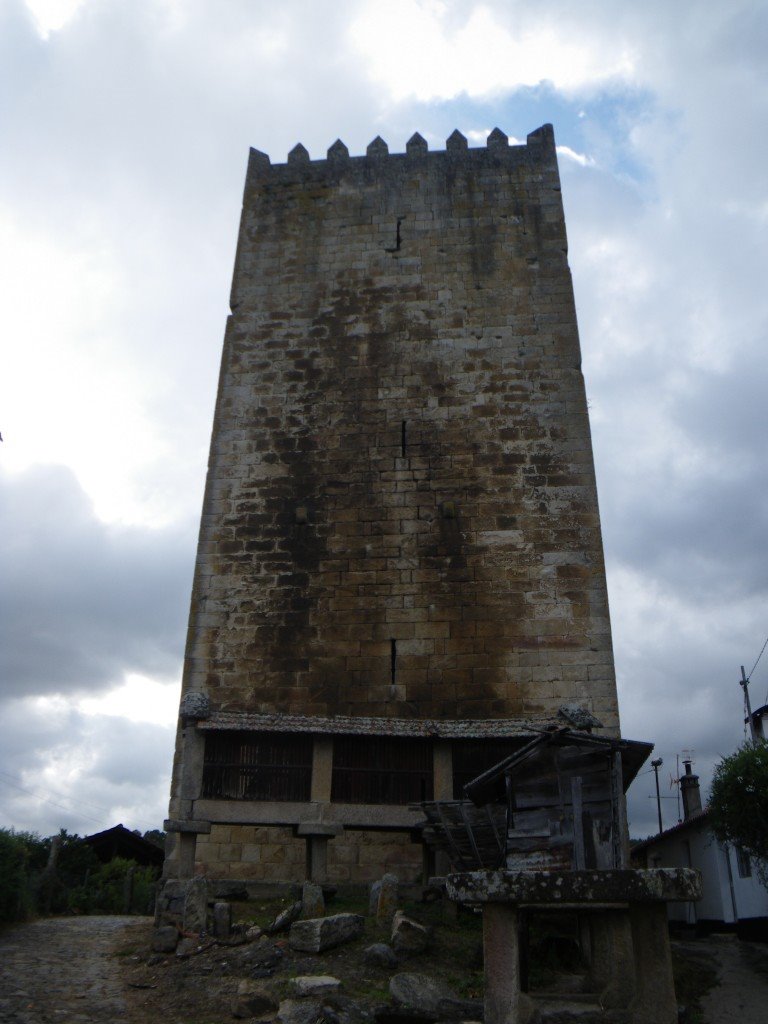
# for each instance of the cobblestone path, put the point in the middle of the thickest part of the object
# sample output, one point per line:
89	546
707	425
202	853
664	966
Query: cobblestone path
741	997
62	970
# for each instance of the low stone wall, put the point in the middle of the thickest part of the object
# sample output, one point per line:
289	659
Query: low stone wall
273	854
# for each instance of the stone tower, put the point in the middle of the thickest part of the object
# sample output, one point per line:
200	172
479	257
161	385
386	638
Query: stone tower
400	569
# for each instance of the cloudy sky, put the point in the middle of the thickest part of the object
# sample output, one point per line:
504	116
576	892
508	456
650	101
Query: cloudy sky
125	129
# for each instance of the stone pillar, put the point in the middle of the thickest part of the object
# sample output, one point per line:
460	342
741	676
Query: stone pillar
322	769
501	952
187	848
442	770
655	1001
611	962
317	834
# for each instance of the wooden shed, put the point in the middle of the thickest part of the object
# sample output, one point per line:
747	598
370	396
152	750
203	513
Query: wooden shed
555	804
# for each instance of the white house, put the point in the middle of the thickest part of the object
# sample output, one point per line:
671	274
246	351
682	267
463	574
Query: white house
734	897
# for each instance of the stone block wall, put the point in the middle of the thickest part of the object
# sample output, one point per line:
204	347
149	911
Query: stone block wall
271	854
401	515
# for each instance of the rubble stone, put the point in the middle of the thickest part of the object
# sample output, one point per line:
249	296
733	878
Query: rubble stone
321	933
318	985
253	1000
408	936
312	900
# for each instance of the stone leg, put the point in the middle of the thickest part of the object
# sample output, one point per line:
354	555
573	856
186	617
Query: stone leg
655	1002
501	952
187	847
317	858
612	967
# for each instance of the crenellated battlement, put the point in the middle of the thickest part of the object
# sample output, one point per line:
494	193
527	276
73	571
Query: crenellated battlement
538	150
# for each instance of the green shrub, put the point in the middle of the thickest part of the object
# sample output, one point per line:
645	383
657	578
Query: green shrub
14	893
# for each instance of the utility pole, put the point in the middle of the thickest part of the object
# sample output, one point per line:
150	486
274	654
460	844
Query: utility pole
656	764
744	684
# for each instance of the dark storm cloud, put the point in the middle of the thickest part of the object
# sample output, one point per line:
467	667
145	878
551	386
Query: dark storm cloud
83	602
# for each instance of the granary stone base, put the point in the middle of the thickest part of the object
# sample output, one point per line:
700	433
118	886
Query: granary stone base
270	854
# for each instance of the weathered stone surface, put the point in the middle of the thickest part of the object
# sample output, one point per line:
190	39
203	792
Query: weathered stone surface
312	900
323	933
253	933
165	939
260	954
284	919
253	1000
386	904
408	936
222	920
613	886
196	906
187	946
169	902
305	1011
373	897
432	998
402	343
380	955
317	985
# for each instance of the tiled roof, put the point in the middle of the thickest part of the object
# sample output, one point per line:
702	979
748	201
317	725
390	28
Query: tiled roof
339	724
681	826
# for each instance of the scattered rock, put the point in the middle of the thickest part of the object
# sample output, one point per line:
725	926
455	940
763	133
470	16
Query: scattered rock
165	939
169	902
305	1011
312	900
321	933
319	985
222	920
380	955
187	946
373	897
284	919
387	902
253	1000
431	998
254	933
408	936
196	905
419	992
262	954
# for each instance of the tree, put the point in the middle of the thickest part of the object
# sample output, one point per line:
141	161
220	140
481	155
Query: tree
738	804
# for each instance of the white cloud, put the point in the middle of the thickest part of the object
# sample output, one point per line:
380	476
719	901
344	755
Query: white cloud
428	50
52	15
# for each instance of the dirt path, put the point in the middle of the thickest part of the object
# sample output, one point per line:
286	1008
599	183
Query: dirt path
741	997
63	970
88	970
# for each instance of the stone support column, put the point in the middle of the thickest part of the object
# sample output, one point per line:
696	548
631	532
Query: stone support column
612	968
501	953
317	834
655	1001
442	772
322	769
187	847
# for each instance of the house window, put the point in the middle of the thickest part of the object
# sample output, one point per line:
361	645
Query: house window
381	770
257	766
743	863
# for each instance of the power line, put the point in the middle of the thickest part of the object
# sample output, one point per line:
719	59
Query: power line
758	658
70	810
53	803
